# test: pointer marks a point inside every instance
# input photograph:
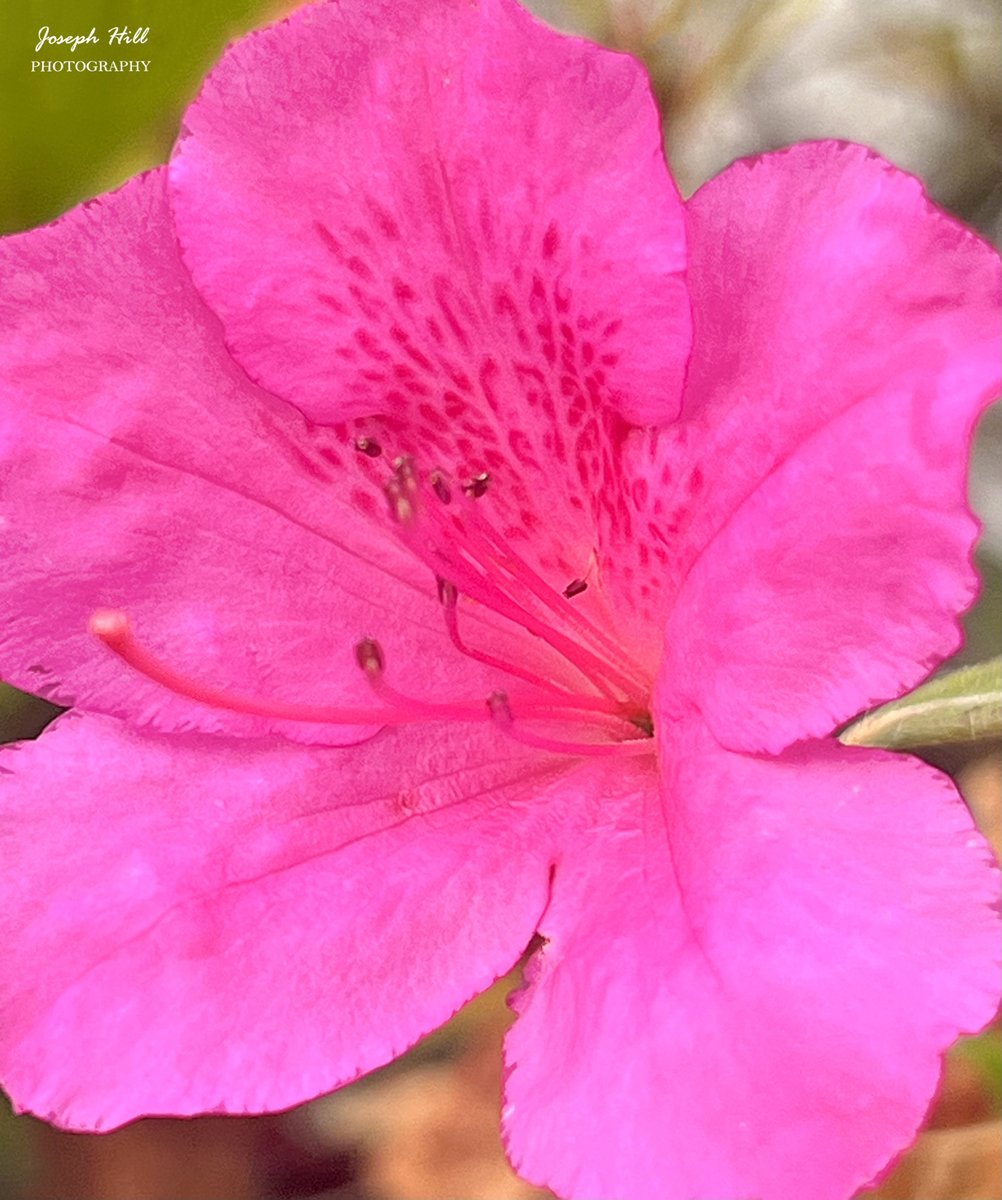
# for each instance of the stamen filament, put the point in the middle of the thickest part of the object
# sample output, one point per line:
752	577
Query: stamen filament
407	492
449	596
478	585
501	714
590	664
502	553
370	659
482	542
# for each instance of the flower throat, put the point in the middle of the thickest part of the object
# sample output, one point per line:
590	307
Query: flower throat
441	524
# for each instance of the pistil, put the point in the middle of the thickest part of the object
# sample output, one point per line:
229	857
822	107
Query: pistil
114	630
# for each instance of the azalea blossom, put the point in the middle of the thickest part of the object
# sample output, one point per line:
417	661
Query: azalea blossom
445	535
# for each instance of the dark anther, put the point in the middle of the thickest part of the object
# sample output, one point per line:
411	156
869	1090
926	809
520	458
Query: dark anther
440	487
499	708
477	486
447	593
368	446
575	588
369	656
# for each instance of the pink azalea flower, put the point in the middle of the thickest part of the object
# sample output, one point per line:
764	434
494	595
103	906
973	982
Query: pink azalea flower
679	487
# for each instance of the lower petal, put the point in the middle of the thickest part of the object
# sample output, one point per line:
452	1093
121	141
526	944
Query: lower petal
193	925
746	993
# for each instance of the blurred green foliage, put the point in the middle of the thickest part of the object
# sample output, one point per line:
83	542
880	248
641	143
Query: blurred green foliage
985	1052
64	137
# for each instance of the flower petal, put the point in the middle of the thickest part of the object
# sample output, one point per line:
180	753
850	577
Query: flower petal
810	506
441	211
143	471
196	925
745	994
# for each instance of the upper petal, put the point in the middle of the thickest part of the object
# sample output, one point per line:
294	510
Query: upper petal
143	471
442	211
807	517
192	924
747	981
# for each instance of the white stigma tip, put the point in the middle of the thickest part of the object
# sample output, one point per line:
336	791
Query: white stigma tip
109	624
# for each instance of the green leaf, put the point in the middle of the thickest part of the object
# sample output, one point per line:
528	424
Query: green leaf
961	707
23	716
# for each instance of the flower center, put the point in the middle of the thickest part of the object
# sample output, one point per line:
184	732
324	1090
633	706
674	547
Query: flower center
441	524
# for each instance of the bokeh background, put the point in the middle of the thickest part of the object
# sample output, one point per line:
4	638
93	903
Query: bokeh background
916	79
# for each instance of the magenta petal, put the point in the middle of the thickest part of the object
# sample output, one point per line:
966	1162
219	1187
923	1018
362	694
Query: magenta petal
195	925
745	994
142	471
812	499
430	209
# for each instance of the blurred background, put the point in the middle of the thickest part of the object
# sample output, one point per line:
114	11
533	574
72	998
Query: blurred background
916	79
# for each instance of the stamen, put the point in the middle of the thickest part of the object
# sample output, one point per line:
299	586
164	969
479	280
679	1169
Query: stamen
369	656
478	485
500	711
500	552
477	583
405	504
401	490
449	596
575	588
368	446
440	487
477	540
404	472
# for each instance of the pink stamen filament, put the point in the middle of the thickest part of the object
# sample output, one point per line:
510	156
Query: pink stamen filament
449	607
370	658
501	714
449	598
500	551
483	587
412	506
485	549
